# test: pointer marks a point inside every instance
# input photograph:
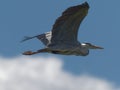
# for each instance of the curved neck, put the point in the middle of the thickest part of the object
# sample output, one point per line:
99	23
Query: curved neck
84	49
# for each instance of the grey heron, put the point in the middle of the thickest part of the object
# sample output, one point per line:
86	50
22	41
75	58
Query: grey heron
62	39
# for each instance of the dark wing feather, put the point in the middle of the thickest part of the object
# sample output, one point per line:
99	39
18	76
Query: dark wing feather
66	26
44	38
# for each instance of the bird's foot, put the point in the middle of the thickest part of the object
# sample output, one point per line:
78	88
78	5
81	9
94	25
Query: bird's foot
28	53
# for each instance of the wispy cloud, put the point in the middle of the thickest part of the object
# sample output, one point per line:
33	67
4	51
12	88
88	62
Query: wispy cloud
23	73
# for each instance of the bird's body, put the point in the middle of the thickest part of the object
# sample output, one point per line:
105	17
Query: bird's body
62	39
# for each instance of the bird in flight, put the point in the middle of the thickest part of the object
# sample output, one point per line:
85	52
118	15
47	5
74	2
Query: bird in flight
62	39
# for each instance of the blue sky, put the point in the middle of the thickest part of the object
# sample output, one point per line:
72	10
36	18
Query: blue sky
32	17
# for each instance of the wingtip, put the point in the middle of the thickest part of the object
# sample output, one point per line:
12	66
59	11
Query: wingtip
26	38
86	4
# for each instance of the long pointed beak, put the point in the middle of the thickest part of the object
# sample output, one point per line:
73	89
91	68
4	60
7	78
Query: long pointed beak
97	47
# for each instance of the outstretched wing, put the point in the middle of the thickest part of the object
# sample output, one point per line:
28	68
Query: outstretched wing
66	26
44	38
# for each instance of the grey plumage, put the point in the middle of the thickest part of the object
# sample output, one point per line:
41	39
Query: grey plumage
62	39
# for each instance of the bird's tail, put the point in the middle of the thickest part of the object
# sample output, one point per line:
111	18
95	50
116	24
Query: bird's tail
27	38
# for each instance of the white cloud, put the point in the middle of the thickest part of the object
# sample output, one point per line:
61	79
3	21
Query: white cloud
24	73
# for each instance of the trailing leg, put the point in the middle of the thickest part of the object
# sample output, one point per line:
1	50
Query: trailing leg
39	51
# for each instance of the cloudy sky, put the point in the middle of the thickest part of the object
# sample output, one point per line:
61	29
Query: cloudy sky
97	71
40	73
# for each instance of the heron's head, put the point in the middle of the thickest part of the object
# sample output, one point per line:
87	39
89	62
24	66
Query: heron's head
90	46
